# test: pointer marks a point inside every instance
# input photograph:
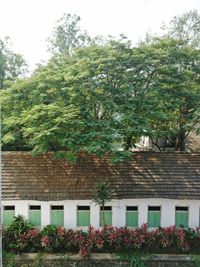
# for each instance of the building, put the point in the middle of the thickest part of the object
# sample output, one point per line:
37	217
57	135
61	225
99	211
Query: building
162	189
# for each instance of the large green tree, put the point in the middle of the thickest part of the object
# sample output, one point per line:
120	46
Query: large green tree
78	103
176	86
103	98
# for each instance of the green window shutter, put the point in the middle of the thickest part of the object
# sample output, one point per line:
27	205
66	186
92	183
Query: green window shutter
83	216
8	216
132	218
181	218
35	217
154	217
107	215
57	215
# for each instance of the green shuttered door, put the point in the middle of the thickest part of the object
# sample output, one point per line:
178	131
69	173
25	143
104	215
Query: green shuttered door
83	218
35	217
182	218
132	218
83	215
8	216
154	216
57	215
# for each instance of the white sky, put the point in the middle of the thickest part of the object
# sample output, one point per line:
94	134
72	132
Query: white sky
29	22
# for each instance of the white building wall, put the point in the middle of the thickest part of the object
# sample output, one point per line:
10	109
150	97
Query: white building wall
118	210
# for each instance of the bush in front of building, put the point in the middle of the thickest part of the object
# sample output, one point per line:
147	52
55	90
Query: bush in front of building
58	239
20	236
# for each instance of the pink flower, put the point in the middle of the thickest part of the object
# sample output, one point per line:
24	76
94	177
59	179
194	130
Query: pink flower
61	231
45	241
33	233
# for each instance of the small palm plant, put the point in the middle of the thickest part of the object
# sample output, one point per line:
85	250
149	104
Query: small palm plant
102	195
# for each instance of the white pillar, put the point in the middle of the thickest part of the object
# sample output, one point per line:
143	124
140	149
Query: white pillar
118	215
21	208
45	214
193	215
94	215
167	213
142	213
70	213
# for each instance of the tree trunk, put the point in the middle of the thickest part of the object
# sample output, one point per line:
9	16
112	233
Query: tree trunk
103	216
1	84
180	141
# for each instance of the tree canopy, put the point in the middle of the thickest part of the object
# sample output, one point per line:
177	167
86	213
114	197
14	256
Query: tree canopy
104	96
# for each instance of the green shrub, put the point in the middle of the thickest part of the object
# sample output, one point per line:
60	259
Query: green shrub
20	236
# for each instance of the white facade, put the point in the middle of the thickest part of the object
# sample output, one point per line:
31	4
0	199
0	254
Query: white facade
118	210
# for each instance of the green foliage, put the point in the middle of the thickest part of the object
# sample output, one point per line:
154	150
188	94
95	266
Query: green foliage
196	260
101	99
185	27
49	230
103	194
12	65
38	260
18	226
12	240
67	35
9	258
136	259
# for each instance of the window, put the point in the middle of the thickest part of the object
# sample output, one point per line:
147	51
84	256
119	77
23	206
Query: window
83	215
154	216
8	214
181	217
107	214
35	215
132	216
57	215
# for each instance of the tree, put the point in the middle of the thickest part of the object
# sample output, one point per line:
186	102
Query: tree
102	195
185	27
67	35
12	65
175	85
103	98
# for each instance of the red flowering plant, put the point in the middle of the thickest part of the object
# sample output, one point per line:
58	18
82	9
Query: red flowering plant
193	238
58	239
50	240
70	240
30	241
20	236
85	241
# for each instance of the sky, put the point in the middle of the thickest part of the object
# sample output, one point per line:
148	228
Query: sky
30	22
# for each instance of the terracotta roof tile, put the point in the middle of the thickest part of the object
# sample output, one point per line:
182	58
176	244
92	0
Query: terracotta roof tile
145	175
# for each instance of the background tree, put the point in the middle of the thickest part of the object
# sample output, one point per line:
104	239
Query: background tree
102	195
67	35
12	65
185	27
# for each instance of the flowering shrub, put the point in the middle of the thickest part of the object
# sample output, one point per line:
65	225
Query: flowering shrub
58	239
21	237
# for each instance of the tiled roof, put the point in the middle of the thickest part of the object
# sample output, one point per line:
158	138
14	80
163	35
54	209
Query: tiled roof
145	175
